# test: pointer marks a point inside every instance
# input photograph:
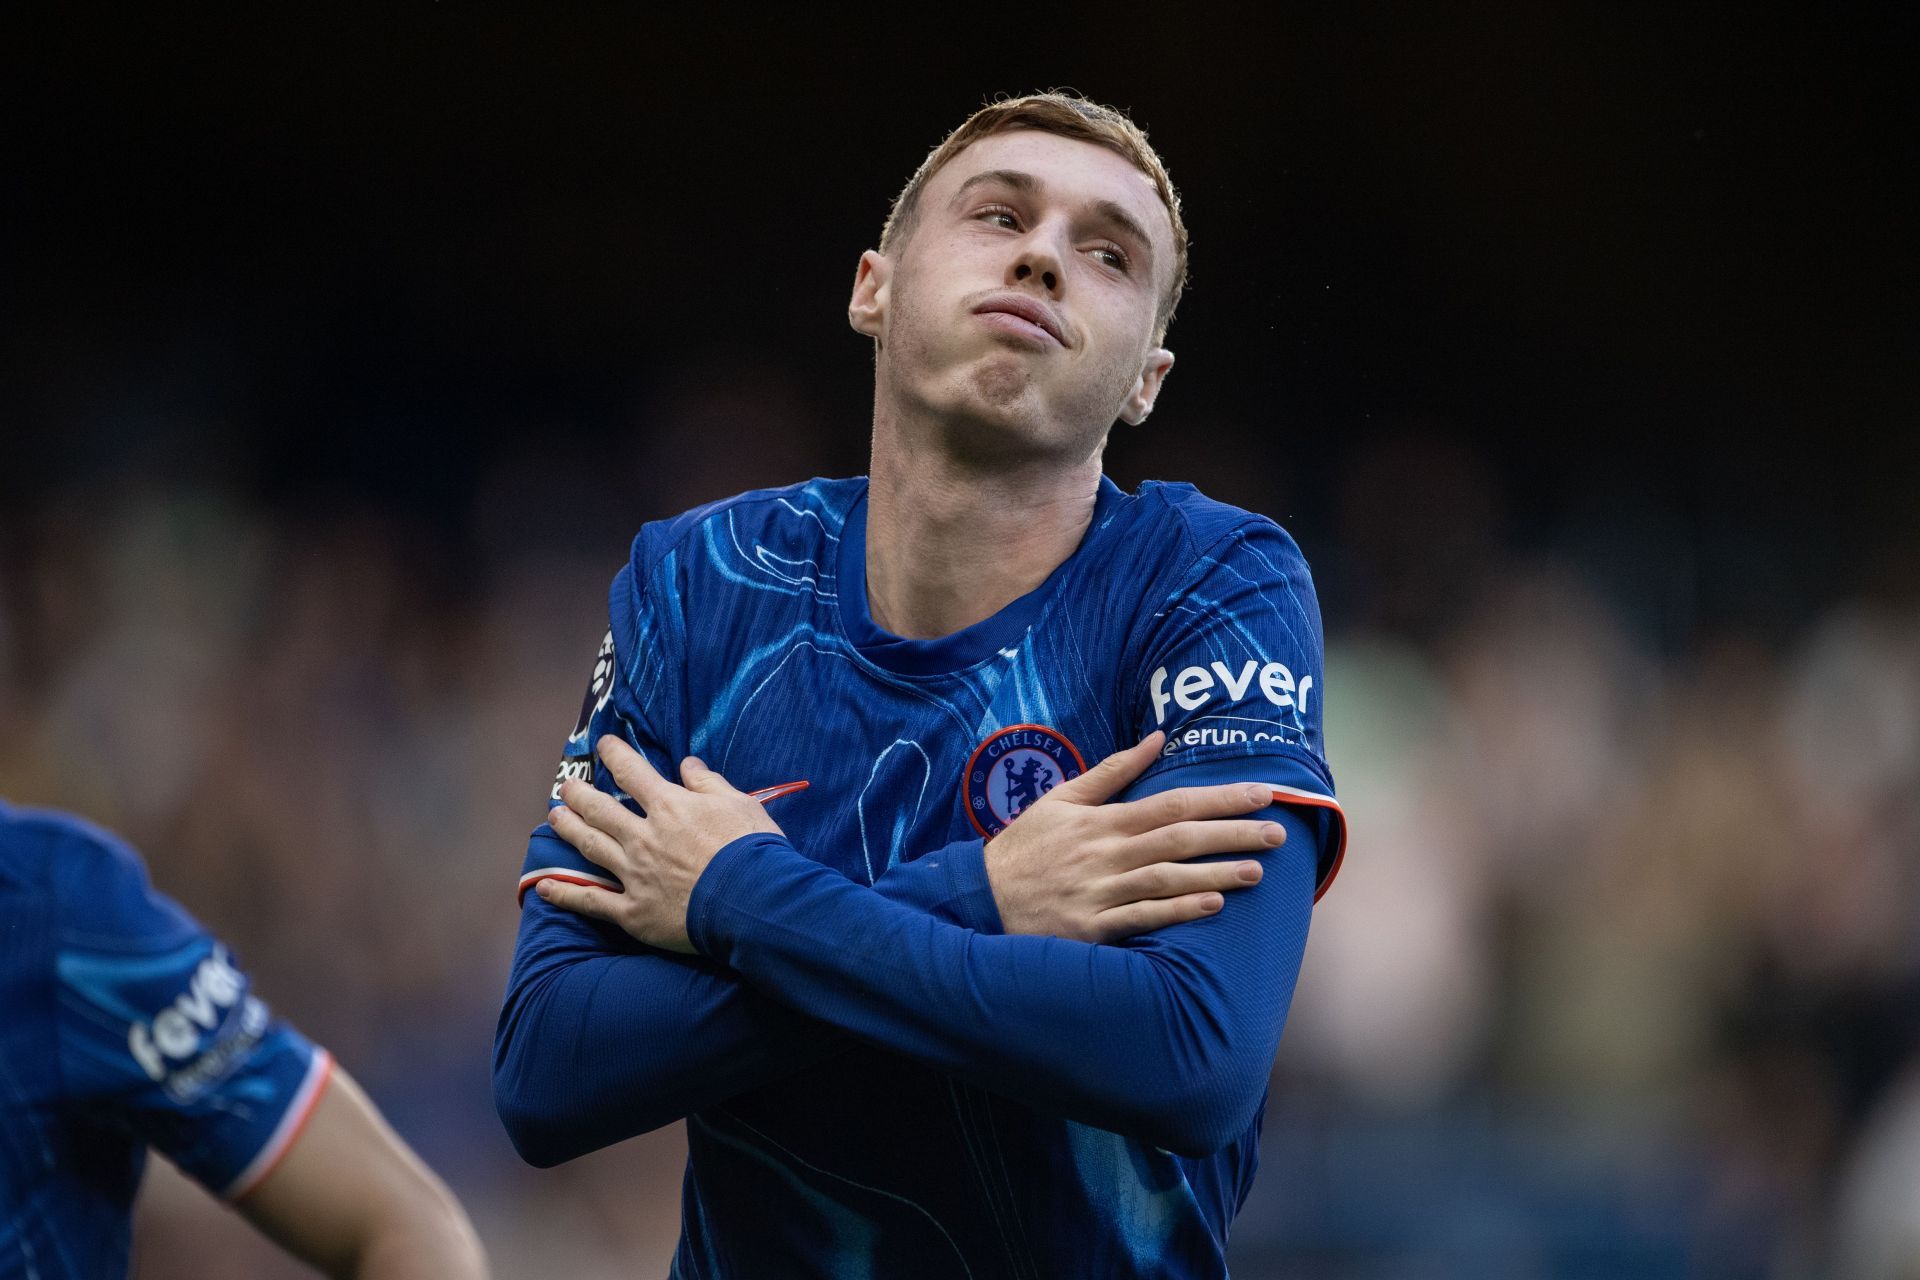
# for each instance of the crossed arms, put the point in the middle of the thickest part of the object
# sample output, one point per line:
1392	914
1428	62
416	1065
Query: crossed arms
1096	960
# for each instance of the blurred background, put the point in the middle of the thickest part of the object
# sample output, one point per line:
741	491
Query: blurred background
1576	346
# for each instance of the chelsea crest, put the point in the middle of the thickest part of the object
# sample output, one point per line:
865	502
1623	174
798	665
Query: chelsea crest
1013	768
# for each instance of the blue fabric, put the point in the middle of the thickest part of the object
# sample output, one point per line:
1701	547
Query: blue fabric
876	1082
1140	1038
123	1025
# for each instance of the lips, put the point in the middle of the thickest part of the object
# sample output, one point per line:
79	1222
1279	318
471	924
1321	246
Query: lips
1030	312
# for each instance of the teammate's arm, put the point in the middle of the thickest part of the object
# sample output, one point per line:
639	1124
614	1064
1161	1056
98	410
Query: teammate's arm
160	1036
350	1198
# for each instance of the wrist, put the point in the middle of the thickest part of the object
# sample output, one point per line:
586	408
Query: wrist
718	887
1001	890
970	888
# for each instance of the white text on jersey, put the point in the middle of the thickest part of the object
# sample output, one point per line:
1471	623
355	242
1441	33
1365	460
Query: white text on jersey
175	1031
1193	687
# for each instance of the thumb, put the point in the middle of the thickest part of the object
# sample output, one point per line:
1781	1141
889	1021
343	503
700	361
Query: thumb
1112	775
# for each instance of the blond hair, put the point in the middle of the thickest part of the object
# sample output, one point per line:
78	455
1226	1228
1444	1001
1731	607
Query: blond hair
1068	115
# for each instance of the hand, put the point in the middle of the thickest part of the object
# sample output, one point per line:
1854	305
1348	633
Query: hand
658	859
1074	866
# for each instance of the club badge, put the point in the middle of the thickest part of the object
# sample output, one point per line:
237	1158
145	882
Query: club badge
1012	769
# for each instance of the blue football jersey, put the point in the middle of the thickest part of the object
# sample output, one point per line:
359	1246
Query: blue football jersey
877	1080
123	1025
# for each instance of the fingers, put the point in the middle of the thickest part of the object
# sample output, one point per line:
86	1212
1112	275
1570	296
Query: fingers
1178	879
1186	804
594	844
1184	840
579	899
636	776
695	776
1111	776
595	807
1137	918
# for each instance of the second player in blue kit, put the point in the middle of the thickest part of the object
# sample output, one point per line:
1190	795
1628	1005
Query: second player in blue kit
966	943
125	1026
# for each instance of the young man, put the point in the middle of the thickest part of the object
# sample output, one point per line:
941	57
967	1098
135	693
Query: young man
913	1036
126	1026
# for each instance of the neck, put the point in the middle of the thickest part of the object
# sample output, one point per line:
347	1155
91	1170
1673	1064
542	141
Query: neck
953	540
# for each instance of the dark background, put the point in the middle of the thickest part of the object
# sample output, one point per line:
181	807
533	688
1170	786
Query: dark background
1657	258
340	355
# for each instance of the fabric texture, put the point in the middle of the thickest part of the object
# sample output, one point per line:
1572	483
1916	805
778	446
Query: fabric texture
876	1080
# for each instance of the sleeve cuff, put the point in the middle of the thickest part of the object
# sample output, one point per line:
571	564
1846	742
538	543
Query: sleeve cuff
707	912
293	1121
1298	780
969	892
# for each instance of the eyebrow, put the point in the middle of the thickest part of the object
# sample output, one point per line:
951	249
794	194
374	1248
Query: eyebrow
1027	184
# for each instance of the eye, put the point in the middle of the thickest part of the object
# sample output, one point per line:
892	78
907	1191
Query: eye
999	215
1113	256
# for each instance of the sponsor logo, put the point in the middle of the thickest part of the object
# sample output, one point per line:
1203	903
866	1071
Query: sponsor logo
1011	770
1194	687
1196	736
171	1046
599	688
580	767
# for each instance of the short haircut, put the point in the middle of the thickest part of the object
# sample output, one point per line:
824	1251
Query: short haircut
1070	116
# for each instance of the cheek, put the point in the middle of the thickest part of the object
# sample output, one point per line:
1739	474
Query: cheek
905	318
1119	350
925	298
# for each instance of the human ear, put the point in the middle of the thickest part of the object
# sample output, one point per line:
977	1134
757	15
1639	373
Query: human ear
867	310
1146	388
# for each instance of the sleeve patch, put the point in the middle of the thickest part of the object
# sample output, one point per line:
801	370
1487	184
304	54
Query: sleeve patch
599	690
579	768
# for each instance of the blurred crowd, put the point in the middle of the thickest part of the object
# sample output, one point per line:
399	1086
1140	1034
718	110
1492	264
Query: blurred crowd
1621	976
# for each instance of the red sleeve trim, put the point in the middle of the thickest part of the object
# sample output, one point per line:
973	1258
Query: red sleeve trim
573	875
288	1131
1314	800
565	875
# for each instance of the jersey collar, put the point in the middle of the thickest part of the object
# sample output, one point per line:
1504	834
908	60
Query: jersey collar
963	648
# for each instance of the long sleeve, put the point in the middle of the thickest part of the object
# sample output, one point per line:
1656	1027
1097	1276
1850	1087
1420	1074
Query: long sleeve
601	1038
1168	1039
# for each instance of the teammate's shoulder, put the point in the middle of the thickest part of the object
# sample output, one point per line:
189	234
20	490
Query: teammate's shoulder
61	855
1202	526
810	510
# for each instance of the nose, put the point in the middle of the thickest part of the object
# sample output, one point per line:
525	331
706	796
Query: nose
1037	258
1049	279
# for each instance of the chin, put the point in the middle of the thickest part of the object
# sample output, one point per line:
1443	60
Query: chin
1002	381
994	412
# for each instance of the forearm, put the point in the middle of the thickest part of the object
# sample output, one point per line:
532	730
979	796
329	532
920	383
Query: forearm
595	1046
354	1200
1169	1040
600	1039
428	1239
